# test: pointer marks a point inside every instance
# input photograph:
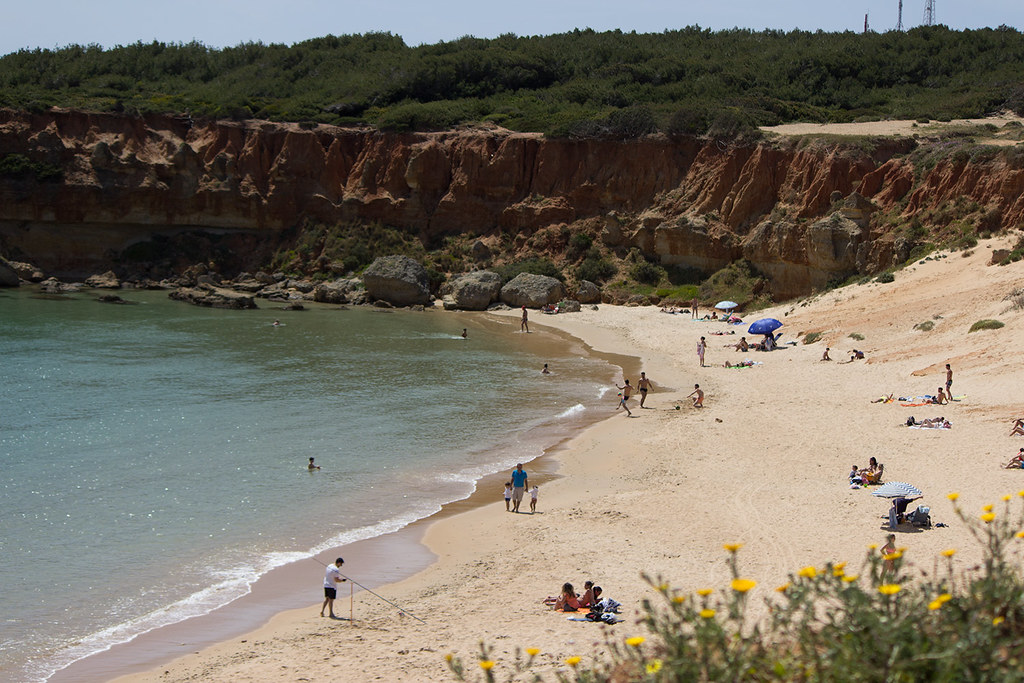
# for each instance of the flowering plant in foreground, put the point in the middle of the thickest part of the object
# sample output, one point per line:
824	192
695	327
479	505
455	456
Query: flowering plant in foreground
887	620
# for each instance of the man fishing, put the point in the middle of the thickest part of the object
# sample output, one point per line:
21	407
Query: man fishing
332	577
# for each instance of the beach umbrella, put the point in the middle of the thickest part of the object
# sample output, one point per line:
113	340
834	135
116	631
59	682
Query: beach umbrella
897	489
764	326
726	305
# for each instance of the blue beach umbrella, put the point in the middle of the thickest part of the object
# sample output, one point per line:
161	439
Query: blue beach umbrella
764	326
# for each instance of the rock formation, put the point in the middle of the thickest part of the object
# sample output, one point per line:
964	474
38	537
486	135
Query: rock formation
398	280
8	276
680	201
213	298
474	291
532	291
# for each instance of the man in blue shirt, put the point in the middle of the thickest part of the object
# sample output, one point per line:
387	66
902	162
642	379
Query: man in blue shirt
518	486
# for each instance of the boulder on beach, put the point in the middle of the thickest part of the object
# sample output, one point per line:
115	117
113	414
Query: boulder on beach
475	291
398	280
588	293
336	292
532	291
105	281
8	276
27	271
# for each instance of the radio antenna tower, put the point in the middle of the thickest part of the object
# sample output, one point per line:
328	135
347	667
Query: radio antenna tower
899	17
929	12
865	23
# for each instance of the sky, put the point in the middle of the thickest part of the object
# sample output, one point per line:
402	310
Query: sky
221	23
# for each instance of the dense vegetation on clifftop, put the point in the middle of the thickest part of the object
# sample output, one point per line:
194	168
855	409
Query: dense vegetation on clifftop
582	83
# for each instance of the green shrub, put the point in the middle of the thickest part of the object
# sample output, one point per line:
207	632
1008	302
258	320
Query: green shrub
596	269
985	325
885	277
536	266
926	326
21	167
890	619
646	273
736	282
579	245
856	336
812	337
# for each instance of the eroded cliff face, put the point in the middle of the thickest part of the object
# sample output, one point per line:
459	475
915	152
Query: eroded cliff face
680	201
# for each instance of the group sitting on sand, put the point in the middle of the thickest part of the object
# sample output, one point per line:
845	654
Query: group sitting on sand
1018	427
1017	462
872	474
599	608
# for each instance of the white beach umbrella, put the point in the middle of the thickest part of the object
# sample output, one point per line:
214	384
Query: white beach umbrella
726	305
897	489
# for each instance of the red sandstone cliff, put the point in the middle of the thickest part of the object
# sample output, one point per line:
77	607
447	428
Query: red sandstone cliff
680	201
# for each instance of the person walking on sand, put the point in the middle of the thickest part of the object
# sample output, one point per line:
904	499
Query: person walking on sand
519	482
702	346
887	551
644	385
332	577
698	396
534	492
524	325
627	391
508	496
949	380
311	465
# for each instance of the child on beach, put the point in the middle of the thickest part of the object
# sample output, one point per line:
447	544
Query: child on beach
508	496
1017	462
533	499
698	396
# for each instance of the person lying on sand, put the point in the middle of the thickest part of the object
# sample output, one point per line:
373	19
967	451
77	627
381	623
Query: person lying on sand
1018	427
884	399
1017	462
741	364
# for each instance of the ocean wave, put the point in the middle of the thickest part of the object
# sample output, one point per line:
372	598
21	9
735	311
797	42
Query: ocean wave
572	412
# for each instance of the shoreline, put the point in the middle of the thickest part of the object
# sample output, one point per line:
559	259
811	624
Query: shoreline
285	588
652	499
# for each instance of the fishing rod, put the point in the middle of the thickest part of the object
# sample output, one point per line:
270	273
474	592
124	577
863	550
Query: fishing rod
353	581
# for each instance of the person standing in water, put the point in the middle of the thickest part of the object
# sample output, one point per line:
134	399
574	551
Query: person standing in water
464	335
524	325
545	371
644	385
311	466
627	391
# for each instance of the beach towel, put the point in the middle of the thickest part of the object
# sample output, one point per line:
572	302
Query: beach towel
914	405
606	618
927	427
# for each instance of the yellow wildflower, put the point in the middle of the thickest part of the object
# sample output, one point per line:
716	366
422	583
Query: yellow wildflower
889	588
988	517
732	547
573	661
653	666
952	496
892	556
944	598
808	572
838	568
783	588
662	587
873	546
742	585
533	651
449	657
635	641
704	592
997	621
850	578
679	599
707	613
934	605
1007	498
987	508
487	665
949	552
1020	534
1021	493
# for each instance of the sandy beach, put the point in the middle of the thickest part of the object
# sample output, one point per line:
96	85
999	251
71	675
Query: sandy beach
764	464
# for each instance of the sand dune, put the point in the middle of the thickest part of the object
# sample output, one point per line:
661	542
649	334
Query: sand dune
763	464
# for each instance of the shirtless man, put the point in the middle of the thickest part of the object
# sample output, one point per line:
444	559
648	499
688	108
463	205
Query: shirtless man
523	324
698	396
694	309
825	355
311	465
626	393
949	380
940	398
644	385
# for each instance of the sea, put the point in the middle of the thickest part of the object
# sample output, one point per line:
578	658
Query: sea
153	455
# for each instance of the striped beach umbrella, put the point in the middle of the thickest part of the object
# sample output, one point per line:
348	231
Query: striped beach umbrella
897	489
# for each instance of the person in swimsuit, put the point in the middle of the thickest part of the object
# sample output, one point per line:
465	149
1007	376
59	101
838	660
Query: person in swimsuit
545	371
524	325
701	348
567	601
627	391
698	396
311	466
949	380
825	355
644	385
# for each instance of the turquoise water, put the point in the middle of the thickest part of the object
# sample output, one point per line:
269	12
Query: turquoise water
152	457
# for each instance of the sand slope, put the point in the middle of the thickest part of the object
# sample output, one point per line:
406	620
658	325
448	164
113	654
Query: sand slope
764	464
